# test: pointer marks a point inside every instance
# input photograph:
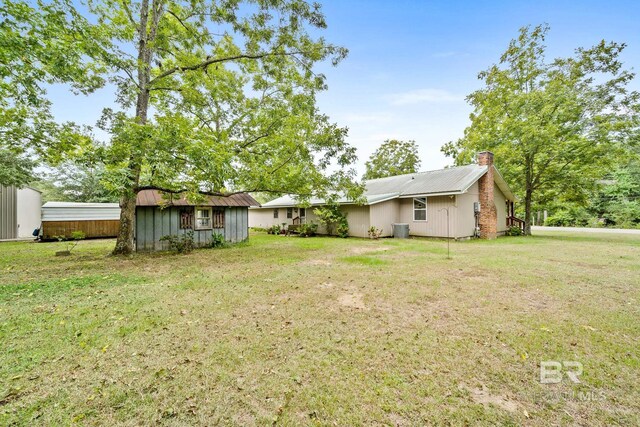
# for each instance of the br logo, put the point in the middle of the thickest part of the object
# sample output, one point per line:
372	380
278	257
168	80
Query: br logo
551	372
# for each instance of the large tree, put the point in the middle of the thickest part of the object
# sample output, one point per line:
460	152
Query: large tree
393	157
555	127
216	96
42	44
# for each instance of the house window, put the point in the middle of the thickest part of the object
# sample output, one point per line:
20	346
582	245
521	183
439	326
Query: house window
218	218
203	218
186	219
420	209
289	213
275	213
303	213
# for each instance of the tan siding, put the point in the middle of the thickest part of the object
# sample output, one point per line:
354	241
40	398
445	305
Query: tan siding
263	217
436	223
382	215
501	208
466	216
358	219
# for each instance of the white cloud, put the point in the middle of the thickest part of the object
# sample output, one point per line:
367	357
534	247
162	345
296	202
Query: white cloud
422	96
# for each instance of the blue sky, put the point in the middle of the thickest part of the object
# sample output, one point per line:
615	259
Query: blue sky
412	63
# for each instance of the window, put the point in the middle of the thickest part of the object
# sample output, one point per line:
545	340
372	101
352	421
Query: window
420	209
289	212
186	219
218	218
303	213
203	218
275	213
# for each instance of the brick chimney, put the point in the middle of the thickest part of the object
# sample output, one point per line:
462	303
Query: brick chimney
488	218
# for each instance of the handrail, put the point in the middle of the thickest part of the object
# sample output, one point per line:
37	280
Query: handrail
513	221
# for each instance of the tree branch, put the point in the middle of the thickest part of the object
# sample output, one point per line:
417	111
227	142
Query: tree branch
210	61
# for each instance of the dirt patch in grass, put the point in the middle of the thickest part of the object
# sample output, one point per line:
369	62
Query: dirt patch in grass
352	300
484	397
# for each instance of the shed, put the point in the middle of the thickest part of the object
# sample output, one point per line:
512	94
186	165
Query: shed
19	212
159	215
93	219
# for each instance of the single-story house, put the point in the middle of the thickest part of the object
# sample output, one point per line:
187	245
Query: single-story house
19	212
159	215
95	220
476	196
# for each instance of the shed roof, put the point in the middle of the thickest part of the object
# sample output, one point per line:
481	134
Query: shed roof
454	180
156	198
73	211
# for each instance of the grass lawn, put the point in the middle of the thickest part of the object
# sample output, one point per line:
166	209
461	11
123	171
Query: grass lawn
322	331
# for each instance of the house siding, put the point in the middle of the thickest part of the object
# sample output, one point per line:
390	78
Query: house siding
8	212
153	223
501	208
436	223
466	224
383	215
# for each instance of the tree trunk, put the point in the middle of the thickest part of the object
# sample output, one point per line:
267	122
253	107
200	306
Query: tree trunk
126	234
527	210
125	244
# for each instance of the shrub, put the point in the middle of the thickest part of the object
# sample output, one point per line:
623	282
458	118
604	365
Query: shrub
217	240
343	228
514	230
374	232
332	217
308	230
180	244
274	229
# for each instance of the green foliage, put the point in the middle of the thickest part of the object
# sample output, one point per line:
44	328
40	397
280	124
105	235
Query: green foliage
333	219
555	127
71	243
15	169
274	229
308	229
342	229
76	182
514	231
393	157
217	240
182	244
374	232
43	43
618	200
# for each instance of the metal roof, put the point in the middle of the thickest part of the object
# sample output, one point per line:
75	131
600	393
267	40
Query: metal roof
157	198
454	180
71	211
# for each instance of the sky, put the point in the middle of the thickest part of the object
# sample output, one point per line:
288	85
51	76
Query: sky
412	63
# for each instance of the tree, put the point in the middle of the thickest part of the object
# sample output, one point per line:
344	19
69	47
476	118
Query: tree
333	218
393	158
555	128
77	182
15	169
216	97
40	45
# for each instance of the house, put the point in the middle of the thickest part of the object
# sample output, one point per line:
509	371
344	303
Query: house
159	215
19	212
95	220
476	196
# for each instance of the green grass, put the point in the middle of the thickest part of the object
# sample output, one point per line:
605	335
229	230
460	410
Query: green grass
322	331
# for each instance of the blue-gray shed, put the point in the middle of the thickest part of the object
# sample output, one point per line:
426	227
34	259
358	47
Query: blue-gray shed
158	216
